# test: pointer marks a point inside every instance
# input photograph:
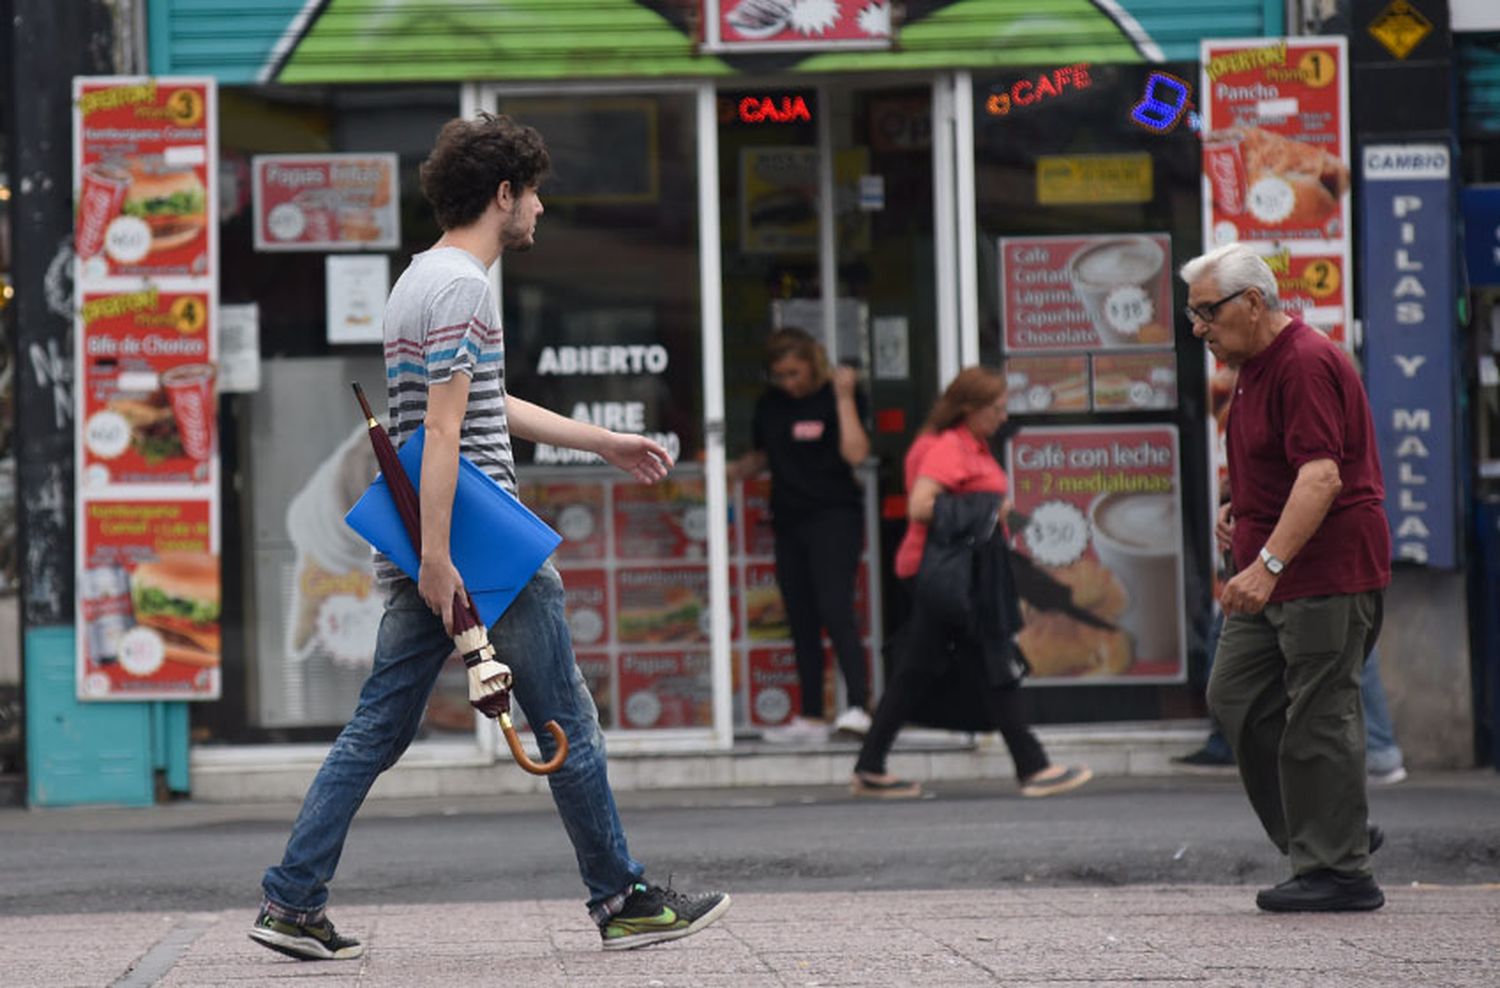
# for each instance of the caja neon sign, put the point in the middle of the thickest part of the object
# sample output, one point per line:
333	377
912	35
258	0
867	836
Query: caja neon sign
772	109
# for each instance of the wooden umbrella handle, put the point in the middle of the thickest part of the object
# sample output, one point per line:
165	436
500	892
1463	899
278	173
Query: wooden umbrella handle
524	760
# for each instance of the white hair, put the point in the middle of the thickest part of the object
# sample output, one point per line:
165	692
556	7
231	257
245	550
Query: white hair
1234	267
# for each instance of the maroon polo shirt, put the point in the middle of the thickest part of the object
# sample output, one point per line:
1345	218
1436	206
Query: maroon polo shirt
1298	400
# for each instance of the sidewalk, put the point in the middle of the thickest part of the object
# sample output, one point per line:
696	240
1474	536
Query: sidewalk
1430	936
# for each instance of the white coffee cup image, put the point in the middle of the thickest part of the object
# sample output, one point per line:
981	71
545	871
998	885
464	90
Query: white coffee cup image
1116	280
1135	537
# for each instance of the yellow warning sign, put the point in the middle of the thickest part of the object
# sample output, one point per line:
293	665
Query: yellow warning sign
1400	28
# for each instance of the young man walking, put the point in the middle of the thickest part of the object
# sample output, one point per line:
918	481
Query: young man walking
444	356
1312	551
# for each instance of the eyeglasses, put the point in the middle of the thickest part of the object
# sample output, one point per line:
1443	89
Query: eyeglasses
1207	313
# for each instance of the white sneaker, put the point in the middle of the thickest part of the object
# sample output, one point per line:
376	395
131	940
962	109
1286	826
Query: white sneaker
798	730
852	721
1389	777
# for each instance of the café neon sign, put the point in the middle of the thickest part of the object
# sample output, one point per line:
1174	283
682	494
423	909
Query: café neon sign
1036	89
773	109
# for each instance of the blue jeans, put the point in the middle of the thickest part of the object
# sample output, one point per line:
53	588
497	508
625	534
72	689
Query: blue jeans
1382	754
532	638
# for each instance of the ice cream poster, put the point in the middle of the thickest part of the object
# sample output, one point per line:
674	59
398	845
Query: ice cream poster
1110	291
1099	509
145	164
1275	140
149	601
147	404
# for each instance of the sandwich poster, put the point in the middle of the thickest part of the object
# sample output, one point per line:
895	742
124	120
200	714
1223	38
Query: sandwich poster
1102	515
147	405
149	607
319	202
145	164
1111	291
1275	140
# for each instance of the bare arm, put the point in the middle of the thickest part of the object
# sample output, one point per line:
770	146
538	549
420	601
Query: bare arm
924	494
1313	492
437	579
854	443
638	456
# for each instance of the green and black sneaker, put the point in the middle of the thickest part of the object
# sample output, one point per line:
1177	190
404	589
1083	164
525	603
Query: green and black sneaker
652	914
311	942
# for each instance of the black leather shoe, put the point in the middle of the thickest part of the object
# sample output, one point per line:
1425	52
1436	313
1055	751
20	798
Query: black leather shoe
1322	891
1377	838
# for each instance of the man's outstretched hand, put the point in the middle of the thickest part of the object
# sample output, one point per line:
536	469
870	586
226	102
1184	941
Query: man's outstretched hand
642	458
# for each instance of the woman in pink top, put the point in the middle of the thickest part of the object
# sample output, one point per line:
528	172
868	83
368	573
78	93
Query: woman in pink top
951	455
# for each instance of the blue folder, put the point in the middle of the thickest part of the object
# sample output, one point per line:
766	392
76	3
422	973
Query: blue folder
497	544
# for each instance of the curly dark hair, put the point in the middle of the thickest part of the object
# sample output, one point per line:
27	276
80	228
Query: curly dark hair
471	159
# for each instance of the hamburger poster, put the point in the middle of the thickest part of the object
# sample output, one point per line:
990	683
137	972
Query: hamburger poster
145	154
1275	140
149	610
147	405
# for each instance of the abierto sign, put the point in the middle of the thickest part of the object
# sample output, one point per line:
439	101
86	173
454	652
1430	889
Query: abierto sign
1409	343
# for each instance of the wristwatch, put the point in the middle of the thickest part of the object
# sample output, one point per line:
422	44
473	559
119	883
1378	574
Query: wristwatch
1274	565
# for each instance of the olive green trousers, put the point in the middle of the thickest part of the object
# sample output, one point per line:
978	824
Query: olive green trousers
1285	690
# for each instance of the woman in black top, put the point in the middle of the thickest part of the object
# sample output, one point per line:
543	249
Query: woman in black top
808	430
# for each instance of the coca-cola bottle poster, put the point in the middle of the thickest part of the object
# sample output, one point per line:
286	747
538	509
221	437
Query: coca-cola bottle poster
1276	140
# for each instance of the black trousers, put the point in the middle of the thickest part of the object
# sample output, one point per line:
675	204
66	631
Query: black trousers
816	559
920	663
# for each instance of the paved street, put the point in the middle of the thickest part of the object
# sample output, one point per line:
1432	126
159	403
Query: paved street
1129	881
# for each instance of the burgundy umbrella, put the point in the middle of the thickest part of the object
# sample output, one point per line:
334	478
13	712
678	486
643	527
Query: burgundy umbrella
489	678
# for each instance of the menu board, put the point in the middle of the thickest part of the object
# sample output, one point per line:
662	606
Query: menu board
576	512
1134	381
1107	291
145	164
666	689
1102	506
147	400
668	520
1311	284
145	281
1047	384
325	202
775	692
149	600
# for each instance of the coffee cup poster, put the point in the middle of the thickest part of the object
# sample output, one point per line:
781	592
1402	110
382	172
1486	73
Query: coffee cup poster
1107	292
147	406
145	164
149	601
1100	510
1276	140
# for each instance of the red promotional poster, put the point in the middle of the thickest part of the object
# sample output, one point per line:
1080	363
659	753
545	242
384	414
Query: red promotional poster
659	604
326	201
147	405
765	612
1275	139
797	25
760	540
1039	385
663	689
1312	282
149	601
145	164
586	604
661	521
1103	509
1125	382
1108	292
774	690
576	512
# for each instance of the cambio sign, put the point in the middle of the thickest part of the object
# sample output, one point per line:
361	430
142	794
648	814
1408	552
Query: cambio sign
1409	342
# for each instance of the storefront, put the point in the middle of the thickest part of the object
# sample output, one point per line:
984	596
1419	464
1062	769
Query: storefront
972	185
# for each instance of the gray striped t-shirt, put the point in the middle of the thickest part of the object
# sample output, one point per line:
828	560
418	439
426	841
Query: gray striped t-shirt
442	320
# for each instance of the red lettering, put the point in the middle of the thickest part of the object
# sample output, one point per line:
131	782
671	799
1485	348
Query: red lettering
760	109
1061	78
1044	87
1015	93
800	110
748	107
1081	75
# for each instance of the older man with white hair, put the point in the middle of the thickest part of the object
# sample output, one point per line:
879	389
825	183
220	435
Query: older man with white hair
1311	546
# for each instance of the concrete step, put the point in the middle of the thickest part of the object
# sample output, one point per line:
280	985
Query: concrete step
461	768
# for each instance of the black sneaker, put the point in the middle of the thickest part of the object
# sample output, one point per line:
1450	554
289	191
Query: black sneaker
652	914
1206	760
1322	891
312	942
